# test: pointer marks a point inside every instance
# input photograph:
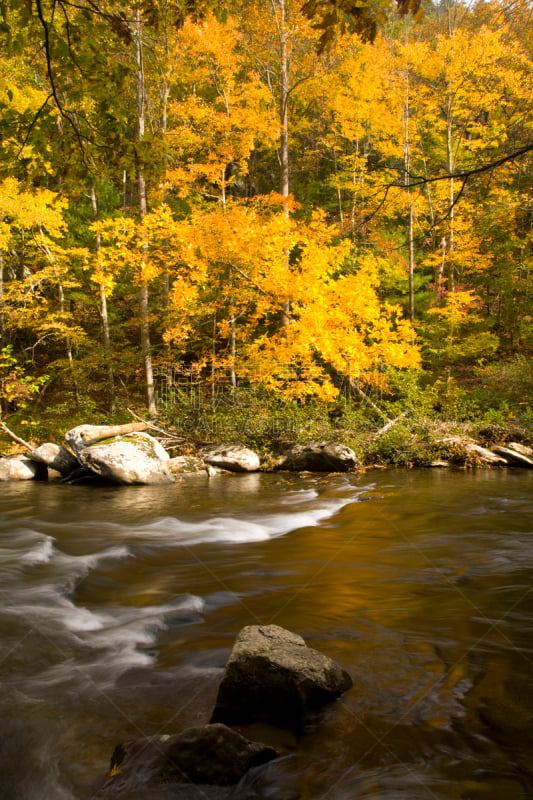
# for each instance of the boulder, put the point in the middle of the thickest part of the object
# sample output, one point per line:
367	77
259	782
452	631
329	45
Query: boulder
234	458
21	468
211	754
272	676
319	457
512	456
56	457
130	458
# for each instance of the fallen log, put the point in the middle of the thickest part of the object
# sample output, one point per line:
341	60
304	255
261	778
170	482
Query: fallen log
106	431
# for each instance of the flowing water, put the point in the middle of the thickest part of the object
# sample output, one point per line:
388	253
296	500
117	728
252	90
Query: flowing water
119	607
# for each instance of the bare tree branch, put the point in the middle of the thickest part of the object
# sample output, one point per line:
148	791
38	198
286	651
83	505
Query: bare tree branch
14	436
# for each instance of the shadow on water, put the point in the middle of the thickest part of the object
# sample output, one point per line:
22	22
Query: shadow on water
120	606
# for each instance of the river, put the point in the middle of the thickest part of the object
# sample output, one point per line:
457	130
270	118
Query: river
119	607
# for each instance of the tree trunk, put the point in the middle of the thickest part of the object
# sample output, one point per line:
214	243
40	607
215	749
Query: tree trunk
68	341
410	235
451	188
68	345
143	294
284	130
2	318
105	318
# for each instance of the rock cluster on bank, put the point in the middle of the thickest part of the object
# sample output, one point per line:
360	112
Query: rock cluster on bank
271	676
464	450
128	454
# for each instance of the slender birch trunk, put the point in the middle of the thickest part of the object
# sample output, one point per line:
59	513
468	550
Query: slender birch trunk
284	130
2	313
143	209
410	232
104	317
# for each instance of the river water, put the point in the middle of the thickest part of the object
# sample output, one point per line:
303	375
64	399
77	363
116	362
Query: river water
119	607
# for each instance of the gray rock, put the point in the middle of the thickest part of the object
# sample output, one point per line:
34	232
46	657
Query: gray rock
319	457
233	458
212	754
56	457
272	676
21	468
512	456
134	458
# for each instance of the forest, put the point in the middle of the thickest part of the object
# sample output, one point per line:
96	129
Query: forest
259	209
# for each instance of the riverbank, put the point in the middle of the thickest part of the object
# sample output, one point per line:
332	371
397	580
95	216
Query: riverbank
143	452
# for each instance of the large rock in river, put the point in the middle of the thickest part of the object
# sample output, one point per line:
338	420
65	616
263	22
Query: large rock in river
212	754
272	676
319	457
129	458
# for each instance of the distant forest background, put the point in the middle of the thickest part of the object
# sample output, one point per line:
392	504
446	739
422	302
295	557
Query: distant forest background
324	211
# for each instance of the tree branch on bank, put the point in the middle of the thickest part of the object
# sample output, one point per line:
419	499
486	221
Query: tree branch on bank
14	436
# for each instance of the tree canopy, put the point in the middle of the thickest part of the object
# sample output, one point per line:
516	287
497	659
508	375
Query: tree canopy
295	197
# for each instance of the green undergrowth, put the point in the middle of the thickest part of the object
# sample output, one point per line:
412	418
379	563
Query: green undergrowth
417	421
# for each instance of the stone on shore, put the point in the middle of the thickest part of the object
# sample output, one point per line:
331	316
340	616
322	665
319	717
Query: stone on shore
272	676
131	458
233	458
21	468
319	457
55	457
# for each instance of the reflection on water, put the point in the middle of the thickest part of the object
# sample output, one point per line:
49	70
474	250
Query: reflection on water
120	605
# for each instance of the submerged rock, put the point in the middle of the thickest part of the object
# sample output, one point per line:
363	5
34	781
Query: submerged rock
211	754
234	458
272	676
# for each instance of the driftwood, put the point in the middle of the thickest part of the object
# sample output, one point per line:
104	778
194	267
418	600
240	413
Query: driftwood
355	386
390	423
105	431
166	434
14	436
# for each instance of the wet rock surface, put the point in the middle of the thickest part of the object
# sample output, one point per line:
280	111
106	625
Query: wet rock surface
212	754
272	676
